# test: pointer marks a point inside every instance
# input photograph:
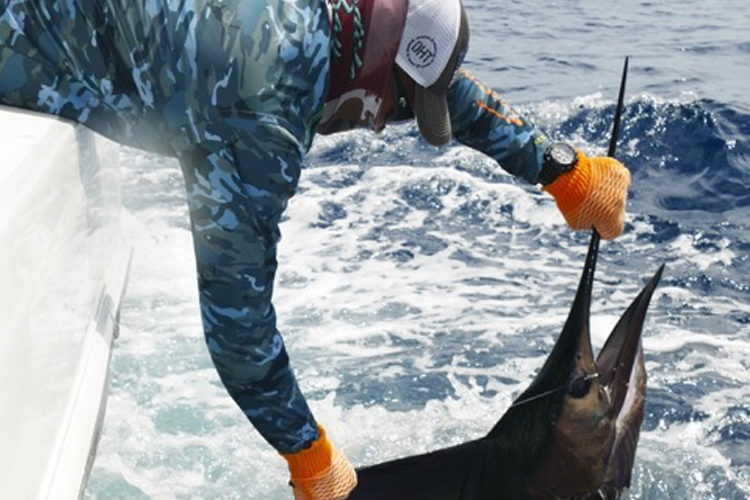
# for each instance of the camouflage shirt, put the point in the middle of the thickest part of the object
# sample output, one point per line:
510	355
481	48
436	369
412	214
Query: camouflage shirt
234	89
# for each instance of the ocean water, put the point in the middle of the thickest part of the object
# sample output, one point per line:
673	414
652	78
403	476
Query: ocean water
420	289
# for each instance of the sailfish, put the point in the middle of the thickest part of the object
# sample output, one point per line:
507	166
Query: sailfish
571	434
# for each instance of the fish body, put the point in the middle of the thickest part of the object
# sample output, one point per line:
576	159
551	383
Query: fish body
571	434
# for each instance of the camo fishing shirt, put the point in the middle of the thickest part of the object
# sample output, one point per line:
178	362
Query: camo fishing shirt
234	89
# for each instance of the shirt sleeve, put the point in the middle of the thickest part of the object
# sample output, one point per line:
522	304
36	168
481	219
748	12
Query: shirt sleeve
481	120
237	189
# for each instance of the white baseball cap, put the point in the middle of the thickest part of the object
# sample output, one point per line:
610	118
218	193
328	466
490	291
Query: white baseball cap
434	42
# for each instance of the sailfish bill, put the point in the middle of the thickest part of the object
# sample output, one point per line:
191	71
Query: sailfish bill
571	434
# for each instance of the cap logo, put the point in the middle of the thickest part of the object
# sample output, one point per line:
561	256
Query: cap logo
421	51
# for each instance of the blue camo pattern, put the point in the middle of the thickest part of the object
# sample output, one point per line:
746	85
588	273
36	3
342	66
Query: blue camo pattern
481	120
234	90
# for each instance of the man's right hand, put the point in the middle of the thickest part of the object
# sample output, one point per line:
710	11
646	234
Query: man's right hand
321	472
593	195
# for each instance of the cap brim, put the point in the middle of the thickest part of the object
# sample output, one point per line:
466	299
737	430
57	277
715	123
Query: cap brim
433	117
431	103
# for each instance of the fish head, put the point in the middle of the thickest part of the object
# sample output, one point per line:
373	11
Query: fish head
579	436
580	417
595	432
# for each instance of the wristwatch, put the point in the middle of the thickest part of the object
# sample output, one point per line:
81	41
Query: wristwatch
558	159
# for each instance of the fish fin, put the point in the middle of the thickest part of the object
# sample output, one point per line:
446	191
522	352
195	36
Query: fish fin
447	474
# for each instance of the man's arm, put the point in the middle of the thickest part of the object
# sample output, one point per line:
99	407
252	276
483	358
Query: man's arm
238	186
237	191
481	120
591	192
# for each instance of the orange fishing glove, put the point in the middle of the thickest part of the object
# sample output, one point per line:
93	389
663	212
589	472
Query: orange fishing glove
593	195
321	472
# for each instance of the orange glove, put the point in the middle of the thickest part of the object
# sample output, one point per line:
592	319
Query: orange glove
321	472
593	195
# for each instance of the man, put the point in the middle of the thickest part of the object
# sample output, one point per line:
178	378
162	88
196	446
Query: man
236	90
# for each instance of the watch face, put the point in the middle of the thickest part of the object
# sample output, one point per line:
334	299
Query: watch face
563	154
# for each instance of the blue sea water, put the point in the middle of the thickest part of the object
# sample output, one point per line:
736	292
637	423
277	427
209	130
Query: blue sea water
419	289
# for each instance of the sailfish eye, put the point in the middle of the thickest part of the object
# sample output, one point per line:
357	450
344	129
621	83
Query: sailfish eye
580	385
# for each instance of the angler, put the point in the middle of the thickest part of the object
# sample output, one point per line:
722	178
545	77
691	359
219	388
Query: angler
236	90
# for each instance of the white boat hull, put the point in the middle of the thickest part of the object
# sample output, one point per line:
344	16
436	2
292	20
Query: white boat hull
64	259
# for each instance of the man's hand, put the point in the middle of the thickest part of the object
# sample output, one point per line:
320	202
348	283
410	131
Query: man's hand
593	195
321	472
